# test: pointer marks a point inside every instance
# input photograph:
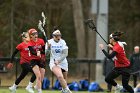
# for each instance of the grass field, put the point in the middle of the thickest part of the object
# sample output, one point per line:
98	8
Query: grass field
4	90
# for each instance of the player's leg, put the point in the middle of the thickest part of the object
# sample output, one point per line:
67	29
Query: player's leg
29	87
111	76
136	88
42	71
20	78
33	78
110	79
38	78
36	71
58	73
109	87
125	81
65	74
42	65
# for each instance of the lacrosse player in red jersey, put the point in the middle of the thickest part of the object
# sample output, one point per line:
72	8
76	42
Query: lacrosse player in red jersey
122	64
37	49
24	61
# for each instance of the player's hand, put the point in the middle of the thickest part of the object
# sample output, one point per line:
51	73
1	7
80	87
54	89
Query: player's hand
56	62
38	54
10	65
101	46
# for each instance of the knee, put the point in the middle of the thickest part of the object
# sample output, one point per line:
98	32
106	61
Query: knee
38	76
39	79
60	77
107	79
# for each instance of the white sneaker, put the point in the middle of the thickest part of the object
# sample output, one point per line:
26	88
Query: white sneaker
39	90
62	91
135	90
12	89
118	88
29	89
66	91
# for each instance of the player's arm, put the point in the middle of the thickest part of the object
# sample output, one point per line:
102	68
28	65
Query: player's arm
13	55
47	48
110	56
63	55
64	52
10	65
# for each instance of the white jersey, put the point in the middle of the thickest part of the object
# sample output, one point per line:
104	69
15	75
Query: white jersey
56	49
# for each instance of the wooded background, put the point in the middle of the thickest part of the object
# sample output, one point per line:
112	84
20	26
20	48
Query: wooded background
17	16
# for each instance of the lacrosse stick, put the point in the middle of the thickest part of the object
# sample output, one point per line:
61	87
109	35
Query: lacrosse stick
42	24
91	25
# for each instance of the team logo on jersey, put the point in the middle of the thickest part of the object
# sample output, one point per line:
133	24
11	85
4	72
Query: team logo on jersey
26	49
56	46
37	47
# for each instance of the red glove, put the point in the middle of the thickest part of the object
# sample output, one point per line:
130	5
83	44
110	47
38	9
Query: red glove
10	65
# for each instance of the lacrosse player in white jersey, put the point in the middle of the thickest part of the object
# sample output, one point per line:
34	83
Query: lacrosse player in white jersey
58	62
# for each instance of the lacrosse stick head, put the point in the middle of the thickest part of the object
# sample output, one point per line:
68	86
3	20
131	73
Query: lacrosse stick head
43	15
90	24
40	26
44	19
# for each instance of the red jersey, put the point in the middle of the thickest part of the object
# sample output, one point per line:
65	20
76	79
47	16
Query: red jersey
120	60
24	52
37	46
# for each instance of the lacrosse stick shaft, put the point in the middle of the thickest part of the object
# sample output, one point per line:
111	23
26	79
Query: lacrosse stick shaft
46	39
101	36
91	25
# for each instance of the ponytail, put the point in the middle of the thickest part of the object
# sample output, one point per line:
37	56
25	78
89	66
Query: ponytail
117	35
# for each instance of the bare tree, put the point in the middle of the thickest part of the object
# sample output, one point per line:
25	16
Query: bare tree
79	27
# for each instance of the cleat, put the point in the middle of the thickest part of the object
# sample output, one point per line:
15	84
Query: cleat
12	89
29	89
66	91
118	88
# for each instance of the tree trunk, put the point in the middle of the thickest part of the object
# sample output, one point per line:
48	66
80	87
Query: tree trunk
79	28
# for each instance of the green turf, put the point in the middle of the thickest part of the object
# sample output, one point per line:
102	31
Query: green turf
4	90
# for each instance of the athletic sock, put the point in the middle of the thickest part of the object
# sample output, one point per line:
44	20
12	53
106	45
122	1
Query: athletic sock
67	88
14	85
135	89
117	85
39	90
